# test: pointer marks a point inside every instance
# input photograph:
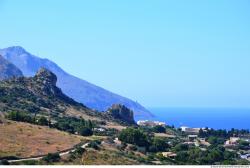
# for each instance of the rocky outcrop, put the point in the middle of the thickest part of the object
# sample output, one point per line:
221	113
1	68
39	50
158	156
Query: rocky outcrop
8	70
46	77
34	94
122	113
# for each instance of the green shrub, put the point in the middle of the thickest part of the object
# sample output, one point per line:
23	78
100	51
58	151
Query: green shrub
4	162
94	145
52	157
85	131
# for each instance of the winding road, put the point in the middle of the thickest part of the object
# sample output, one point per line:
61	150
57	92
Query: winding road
40	157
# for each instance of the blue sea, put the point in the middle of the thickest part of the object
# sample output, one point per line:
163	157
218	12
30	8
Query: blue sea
217	118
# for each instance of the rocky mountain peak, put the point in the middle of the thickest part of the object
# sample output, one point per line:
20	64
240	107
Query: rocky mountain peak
121	112
17	49
46	77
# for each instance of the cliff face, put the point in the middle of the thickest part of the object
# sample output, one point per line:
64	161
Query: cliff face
122	113
8	70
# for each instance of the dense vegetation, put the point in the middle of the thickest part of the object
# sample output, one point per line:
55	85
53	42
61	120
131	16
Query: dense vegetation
222	133
216	153
26	117
134	136
75	125
68	124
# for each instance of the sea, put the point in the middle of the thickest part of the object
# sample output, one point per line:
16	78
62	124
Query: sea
216	118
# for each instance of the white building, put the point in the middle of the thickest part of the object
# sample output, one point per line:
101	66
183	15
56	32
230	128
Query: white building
232	141
150	123
190	130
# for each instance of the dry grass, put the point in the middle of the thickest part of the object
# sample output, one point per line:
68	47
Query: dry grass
25	140
106	157
71	111
114	126
164	135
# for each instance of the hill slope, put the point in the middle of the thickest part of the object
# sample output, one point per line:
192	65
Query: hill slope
82	91
37	94
41	140
40	95
8	70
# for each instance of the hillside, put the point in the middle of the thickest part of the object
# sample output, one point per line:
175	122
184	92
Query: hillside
41	140
80	90
39	95
8	70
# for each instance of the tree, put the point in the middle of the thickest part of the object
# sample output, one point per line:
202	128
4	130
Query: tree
215	140
159	129
181	147
182	156
133	136
85	131
158	145
89	124
215	156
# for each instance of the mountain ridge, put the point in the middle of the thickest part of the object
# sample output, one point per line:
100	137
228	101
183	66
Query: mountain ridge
82	91
8	70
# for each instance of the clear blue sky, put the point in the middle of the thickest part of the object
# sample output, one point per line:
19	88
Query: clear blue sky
161	53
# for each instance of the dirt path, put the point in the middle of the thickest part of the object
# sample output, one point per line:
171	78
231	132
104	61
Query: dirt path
40	157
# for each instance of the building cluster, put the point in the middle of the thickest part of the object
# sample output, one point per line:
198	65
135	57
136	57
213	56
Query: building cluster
189	130
150	123
232	141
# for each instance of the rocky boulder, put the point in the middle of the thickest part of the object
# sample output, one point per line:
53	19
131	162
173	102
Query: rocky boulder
122	113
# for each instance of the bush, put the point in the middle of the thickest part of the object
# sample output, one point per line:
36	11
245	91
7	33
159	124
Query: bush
4	162
52	157
85	131
77	153
94	145
42	121
31	162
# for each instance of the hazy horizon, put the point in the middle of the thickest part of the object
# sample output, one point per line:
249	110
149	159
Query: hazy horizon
163	54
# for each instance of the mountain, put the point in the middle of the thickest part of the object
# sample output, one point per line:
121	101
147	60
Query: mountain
40	95
8	70
80	90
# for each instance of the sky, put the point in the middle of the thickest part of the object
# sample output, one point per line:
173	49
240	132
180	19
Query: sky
161	53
